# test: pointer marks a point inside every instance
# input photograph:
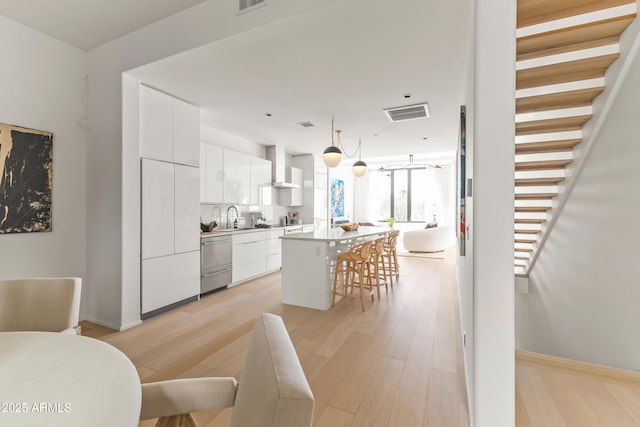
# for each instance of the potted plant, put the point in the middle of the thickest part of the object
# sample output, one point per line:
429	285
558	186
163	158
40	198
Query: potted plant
391	221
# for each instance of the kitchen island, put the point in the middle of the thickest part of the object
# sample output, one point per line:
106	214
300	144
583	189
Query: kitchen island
308	260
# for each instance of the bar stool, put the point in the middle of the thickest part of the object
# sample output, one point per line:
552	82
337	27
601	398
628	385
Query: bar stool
351	267
390	257
375	272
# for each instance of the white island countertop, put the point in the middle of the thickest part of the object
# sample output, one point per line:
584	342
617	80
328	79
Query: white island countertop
337	234
308	260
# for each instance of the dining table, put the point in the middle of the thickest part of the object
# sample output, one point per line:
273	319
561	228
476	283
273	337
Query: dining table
53	379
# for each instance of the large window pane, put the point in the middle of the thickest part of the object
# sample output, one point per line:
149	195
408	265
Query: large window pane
381	202
400	195
419	190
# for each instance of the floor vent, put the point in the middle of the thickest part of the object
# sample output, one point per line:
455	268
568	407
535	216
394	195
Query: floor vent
408	112
247	5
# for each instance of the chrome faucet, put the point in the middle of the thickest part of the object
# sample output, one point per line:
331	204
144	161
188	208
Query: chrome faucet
228	209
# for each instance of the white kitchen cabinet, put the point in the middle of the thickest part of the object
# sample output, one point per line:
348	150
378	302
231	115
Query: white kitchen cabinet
169	279
260	193
244	178
274	249
187	209
203	172
230	169
158	208
212	179
186	133
156	125
169	128
237	177
249	255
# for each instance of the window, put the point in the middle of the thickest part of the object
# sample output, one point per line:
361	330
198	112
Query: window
402	194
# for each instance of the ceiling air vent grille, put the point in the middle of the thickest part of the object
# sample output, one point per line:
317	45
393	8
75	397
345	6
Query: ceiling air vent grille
246	5
408	112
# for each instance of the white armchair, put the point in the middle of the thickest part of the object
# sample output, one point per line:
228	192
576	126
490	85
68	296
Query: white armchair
273	391
428	240
40	304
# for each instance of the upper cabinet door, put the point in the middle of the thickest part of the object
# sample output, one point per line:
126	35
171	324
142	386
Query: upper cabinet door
260	181
186	133
203	172
187	209
244	178
215	174
158	206
231	184
156	125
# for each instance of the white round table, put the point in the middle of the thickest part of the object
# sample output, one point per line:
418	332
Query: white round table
51	379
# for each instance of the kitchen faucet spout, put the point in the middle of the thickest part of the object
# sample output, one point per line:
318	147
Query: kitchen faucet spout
228	209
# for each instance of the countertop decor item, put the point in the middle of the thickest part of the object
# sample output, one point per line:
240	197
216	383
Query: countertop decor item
209	226
351	226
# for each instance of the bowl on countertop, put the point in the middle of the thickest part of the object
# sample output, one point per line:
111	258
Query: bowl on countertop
208	226
349	226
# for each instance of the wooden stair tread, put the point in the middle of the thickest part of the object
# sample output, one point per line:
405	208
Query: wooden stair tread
523	182
591	31
530	221
528	209
559	100
568	48
531	12
546	146
547	164
552	125
528	231
524	240
581	69
536	196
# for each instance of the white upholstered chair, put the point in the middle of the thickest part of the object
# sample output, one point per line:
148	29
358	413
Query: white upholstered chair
273	390
428	240
40	304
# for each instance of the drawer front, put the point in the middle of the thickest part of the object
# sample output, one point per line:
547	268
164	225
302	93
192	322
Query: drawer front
251	236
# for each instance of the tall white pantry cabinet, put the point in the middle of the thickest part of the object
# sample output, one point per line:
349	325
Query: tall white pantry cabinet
170	205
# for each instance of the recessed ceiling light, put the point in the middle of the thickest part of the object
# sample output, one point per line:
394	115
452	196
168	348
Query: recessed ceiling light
408	95
268	114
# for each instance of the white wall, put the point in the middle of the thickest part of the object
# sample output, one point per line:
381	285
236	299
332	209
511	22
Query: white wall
111	200
43	86
485	273
583	291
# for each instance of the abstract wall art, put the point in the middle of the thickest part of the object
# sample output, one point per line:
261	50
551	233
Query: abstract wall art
337	198
26	170
461	231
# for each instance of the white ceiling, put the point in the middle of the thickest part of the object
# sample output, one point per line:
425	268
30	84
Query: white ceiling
90	23
348	59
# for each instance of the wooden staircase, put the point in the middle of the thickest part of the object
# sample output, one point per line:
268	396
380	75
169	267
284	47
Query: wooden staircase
563	50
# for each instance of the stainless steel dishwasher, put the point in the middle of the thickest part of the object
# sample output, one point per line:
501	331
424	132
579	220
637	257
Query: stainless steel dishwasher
215	262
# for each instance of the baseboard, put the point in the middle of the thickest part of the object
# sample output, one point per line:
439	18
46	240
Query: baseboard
631	378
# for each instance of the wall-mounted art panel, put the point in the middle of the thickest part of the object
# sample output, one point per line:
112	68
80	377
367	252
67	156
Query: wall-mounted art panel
26	170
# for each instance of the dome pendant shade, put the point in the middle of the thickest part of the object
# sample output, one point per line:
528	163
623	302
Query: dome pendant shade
359	168
332	156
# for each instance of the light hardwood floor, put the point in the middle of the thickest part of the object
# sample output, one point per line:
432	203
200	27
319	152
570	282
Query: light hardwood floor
398	364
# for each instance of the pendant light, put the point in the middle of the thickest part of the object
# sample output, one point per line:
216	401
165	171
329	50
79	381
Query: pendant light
332	156
359	168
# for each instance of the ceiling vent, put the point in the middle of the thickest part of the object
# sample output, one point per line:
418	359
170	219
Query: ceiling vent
408	112
248	5
306	124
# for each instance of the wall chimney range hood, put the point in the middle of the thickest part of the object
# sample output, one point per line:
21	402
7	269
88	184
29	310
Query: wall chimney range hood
279	176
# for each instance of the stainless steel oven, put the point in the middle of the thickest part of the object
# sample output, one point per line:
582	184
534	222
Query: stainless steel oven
215	262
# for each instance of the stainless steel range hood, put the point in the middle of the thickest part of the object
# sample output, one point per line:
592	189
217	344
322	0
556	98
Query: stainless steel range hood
279	176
